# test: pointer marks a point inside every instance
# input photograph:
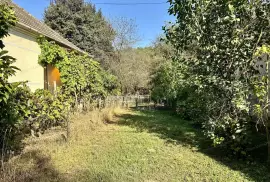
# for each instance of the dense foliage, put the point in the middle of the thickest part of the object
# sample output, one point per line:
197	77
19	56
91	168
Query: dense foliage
81	76
46	110
23	112
20	110
260	85
7	20
80	23
10	111
215	43
133	68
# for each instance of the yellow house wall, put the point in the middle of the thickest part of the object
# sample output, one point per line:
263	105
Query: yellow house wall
23	46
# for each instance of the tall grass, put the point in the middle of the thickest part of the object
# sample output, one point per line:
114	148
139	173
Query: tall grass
34	163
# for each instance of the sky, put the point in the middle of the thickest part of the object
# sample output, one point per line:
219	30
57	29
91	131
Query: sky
149	17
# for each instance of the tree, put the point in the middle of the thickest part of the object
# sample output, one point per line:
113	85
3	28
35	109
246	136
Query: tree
134	69
223	37
12	107
130	65
80	23
126	33
8	19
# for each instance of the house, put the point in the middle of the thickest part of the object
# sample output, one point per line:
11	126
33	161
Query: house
22	45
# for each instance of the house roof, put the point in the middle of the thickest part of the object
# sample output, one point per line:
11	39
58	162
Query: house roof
27	21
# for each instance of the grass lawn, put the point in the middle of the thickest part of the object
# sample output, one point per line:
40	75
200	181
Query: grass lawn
143	146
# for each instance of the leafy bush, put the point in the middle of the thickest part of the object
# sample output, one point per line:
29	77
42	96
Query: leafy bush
191	105
215	43
11	114
47	110
7	20
31	113
23	112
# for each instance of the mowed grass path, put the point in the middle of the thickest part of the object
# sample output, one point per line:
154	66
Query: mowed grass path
147	146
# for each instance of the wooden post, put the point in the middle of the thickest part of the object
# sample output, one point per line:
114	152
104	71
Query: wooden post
123	102
127	100
55	88
99	104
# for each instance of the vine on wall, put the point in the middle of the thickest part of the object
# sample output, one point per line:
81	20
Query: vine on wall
81	76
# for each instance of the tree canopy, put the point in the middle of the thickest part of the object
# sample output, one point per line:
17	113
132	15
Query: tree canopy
80	23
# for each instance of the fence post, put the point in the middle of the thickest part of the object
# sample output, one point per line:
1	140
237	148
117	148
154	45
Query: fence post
127	102
105	103
68	128
123	102
99	103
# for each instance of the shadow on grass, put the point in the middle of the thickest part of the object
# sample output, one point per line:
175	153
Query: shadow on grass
41	169
31	166
175	130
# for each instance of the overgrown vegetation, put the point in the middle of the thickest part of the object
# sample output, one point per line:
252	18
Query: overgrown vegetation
134	68
81	76
211	68
211	77
23	112
111	43
11	114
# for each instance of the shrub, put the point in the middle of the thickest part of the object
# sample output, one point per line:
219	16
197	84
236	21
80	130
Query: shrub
218	43
47	110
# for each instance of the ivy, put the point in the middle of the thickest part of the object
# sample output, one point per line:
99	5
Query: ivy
80	75
51	53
